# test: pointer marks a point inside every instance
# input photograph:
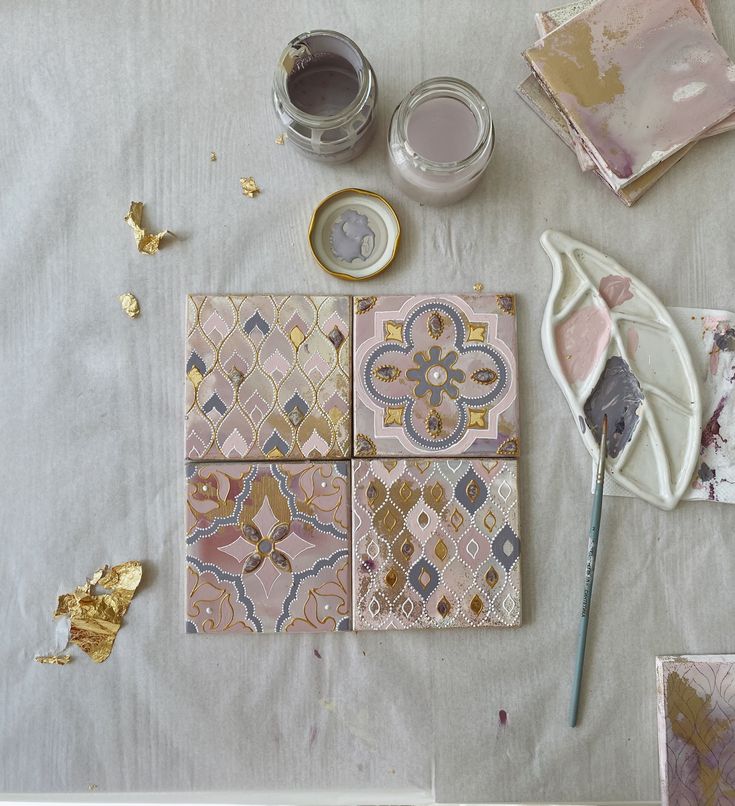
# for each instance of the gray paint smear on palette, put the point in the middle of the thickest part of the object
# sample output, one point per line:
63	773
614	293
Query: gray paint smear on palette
618	395
351	238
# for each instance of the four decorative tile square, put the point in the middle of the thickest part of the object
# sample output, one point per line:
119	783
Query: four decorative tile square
268	377
268	547
435	376
435	543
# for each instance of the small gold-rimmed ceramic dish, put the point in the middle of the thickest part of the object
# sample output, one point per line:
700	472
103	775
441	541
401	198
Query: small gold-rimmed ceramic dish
354	234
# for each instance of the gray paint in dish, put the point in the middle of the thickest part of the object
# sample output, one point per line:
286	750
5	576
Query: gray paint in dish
619	395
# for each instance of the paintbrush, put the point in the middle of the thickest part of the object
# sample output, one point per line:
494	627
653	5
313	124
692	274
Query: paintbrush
589	576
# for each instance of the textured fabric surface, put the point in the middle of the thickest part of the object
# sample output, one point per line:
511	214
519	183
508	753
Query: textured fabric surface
104	104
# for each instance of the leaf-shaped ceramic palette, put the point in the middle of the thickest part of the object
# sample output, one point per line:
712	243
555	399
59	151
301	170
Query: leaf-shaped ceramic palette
613	349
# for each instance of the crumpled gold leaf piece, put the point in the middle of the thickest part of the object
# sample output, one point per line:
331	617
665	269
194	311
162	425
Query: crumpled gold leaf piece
212	156
130	304
478	287
281	139
148	242
94	619
56	660
249	186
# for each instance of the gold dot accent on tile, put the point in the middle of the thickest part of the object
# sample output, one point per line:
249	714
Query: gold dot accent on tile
456	519
434	423
296	336
386	373
372	494
476	605
391	578
441	550
393	331
393	415
491	576
389	521
435	324
407	548
485	376
195	376
473	490
364	304
443	607
436	493
478	418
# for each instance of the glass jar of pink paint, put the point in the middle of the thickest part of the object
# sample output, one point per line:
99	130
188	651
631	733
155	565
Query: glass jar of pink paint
440	141
325	94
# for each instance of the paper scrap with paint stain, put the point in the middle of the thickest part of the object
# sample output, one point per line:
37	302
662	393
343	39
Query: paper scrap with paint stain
710	337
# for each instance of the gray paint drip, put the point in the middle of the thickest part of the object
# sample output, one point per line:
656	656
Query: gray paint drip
619	395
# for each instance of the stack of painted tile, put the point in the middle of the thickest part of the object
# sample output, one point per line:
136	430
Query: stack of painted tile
431	538
630	86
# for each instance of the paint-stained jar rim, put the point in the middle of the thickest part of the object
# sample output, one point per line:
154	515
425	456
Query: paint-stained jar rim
444	87
325	41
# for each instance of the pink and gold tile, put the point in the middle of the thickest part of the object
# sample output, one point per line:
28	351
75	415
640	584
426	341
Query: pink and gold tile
268	547
267	377
435	543
435	376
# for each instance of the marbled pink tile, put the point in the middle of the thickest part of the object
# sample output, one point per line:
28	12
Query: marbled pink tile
636	81
435	543
435	376
268	547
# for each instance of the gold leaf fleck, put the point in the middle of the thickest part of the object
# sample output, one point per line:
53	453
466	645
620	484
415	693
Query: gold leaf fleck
478	288
281	139
147	242
212	156
249	187
56	660
130	304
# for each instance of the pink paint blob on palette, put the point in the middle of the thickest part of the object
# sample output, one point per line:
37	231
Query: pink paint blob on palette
636	82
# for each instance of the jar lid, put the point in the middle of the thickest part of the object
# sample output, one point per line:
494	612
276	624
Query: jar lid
354	234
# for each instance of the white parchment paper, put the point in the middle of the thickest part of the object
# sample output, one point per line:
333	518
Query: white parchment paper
104	103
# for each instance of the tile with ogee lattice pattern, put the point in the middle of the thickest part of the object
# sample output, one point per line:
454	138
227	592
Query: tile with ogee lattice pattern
435	543
268	377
